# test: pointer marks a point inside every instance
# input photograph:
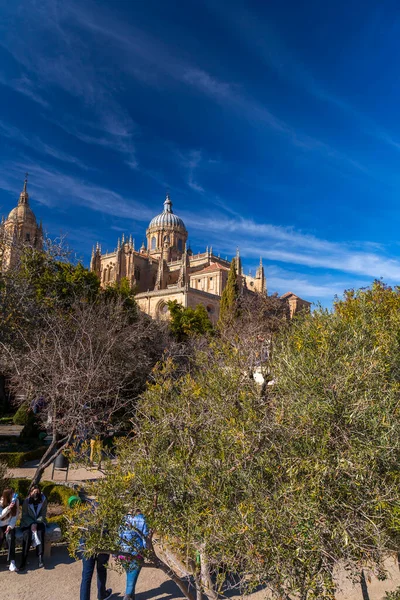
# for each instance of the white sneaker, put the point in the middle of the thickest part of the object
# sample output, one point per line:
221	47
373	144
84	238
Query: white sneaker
13	566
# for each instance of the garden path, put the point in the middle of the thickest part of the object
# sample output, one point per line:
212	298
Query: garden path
61	580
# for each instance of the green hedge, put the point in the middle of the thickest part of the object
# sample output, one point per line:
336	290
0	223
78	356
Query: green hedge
6	420
61	522
54	492
17	459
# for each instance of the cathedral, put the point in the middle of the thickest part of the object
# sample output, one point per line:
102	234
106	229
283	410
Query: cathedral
161	270
165	269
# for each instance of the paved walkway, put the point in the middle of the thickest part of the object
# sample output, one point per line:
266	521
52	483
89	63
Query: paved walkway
62	576
10	430
75	474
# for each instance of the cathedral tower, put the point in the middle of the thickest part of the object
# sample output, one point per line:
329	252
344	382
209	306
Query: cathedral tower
19	229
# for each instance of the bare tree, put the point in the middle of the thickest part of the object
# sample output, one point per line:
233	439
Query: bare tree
83	367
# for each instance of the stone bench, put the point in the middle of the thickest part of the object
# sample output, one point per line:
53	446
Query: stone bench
53	534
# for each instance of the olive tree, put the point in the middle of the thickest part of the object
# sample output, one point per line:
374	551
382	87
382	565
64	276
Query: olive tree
245	486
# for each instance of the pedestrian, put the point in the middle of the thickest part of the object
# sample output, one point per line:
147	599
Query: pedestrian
133	541
88	565
33	524
96	561
9	507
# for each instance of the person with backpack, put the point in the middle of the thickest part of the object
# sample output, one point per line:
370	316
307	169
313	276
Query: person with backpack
133	541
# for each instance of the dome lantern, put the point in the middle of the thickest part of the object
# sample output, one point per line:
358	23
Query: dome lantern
166	229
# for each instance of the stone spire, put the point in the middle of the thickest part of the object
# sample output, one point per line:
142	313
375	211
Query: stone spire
24	196
261	275
238	263
183	280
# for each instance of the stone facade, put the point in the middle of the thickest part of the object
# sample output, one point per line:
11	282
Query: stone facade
296	304
167	270
162	270
18	230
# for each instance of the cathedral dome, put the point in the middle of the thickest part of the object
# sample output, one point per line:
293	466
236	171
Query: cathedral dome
167	218
22	213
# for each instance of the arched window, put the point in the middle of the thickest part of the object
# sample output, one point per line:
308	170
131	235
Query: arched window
180	245
153	243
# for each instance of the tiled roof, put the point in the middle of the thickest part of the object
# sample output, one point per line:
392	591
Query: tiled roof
210	269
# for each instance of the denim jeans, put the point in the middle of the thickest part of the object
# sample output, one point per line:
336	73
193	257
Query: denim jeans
88	565
132	574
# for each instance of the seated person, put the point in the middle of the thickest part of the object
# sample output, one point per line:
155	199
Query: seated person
9	507
33	524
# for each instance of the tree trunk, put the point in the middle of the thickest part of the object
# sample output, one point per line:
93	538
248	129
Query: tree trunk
50	455
206	580
160	564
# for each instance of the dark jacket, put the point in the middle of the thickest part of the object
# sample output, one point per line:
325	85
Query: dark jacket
30	515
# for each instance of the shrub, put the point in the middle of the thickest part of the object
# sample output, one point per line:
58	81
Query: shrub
3	475
21	417
395	595
58	494
26	417
7	420
21	486
55	493
62	522
17	459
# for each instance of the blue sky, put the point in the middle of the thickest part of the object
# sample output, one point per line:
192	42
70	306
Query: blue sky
275	126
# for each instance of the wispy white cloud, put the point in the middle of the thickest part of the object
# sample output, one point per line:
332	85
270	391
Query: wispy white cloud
191	163
270	47
36	143
24	86
287	245
143	54
64	61
302	287
55	189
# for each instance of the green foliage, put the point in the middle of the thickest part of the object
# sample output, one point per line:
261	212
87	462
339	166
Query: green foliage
187	322
337	393
59	494
228	305
56	280
6	420
4	480
394	595
24	416
279	488
124	291
21	486
190	467
17	459
55	493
